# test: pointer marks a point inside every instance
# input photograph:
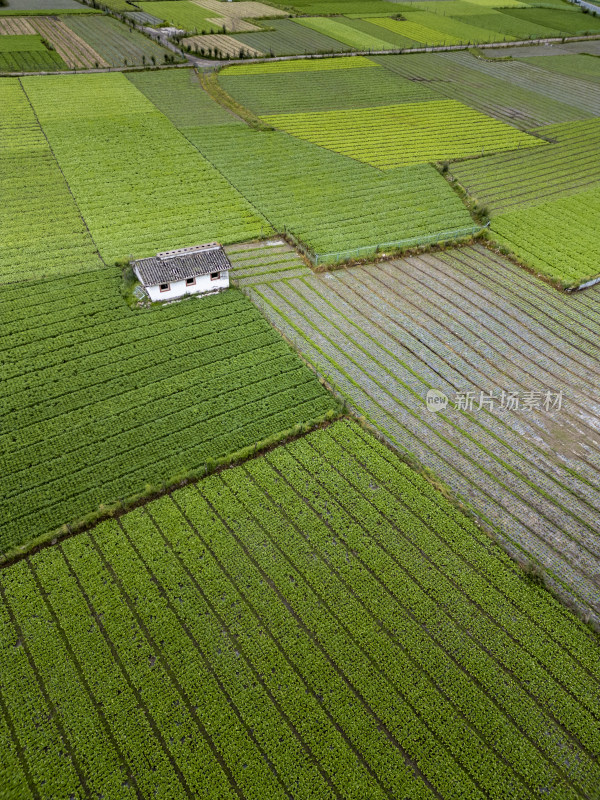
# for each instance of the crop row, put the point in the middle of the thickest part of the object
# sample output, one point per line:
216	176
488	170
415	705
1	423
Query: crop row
569	328
287	37
302	91
528	178
44	232
261	263
132	201
136	398
411	133
557	238
561	88
114	42
488	92
318	623
384	338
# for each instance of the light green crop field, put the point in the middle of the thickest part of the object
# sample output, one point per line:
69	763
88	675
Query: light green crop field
31	43
110	143
317	623
43	232
558	239
416	31
182	14
337	29
412	133
318	65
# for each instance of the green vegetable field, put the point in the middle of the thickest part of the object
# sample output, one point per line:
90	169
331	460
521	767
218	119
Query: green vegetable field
93	122
411	133
277	91
328	528
43	231
557	238
316	623
333	203
115	43
527	178
184	14
109	403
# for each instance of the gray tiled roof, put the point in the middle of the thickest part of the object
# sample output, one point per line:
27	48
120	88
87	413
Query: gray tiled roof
169	268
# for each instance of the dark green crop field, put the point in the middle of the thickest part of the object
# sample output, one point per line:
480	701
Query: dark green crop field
101	403
317	623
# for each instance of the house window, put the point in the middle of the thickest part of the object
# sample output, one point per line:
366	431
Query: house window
214	276
164	287
190	281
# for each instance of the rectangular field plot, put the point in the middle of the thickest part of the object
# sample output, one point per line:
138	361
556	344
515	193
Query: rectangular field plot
35	60
410	133
337	28
560	88
526	178
115	43
559	239
43	232
329	202
100	403
422	29
317	623
184	14
570	22
286	37
299	92
512	28
261	262
488	91
111	143
469	321
304	65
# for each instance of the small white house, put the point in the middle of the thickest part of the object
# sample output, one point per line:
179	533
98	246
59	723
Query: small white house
203	269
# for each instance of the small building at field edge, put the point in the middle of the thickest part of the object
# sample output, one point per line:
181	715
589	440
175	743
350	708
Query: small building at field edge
203	269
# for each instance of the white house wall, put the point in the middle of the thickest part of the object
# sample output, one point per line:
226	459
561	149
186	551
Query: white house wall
179	289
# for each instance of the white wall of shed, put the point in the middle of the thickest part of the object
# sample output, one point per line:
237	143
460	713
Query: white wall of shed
178	289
